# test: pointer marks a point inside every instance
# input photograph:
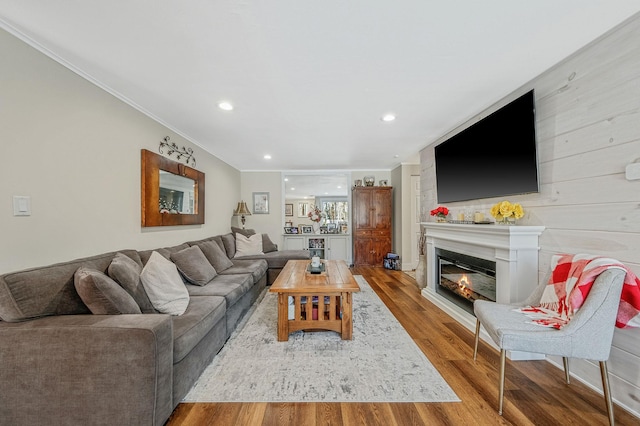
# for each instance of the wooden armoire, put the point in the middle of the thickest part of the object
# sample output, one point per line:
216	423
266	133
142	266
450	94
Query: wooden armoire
372	209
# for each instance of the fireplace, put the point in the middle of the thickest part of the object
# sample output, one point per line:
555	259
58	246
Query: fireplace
463	279
506	254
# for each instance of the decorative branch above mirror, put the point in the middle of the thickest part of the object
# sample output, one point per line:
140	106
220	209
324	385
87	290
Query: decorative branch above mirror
172	193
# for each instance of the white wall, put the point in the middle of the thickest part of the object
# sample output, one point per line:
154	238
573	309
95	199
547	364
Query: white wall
588	129
271	223
75	150
402	245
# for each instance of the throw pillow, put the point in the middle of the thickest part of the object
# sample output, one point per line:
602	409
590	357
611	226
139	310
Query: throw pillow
215	256
248	246
229	241
161	280
194	266
268	245
245	232
126	272
101	294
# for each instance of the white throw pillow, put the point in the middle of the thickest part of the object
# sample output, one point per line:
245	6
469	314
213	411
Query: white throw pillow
248	246
162	282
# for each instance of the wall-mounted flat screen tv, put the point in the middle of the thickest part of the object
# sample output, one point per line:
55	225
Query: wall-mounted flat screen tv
494	157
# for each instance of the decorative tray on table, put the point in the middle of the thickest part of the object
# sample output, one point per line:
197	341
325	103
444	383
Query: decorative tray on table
316	270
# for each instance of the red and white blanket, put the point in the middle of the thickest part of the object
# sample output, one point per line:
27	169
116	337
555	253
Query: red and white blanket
568	287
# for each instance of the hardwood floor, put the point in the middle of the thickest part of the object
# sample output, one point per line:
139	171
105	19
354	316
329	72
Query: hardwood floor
535	392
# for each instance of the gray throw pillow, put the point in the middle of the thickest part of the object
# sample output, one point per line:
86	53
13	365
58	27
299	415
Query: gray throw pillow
194	266
229	241
101	294
215	256
126	272
267	244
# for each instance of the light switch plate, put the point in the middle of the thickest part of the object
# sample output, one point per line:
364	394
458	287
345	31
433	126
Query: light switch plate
632	172
21	205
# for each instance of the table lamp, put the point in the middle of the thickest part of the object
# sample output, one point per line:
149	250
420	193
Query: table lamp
242	210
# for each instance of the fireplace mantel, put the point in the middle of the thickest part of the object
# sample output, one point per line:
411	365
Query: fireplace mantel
513	248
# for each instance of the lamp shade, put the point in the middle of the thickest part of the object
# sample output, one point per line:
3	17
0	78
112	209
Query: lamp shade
242	209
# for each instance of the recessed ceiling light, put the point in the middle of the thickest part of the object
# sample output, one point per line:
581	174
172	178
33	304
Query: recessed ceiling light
293	189
225	106
339	187
388	117
286	179
267	157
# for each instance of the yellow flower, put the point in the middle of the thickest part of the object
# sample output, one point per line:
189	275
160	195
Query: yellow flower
518	211
495	210
506	209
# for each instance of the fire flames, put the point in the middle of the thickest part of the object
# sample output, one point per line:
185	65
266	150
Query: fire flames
464	282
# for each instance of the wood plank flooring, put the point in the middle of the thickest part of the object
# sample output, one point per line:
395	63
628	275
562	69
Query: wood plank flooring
535	393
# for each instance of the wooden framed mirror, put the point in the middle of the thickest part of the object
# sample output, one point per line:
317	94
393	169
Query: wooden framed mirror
172	193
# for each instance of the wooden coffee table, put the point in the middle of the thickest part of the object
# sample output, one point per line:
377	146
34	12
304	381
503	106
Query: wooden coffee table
315	301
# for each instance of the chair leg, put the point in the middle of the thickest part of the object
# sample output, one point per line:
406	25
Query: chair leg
475	349
607	391
565	362
503	359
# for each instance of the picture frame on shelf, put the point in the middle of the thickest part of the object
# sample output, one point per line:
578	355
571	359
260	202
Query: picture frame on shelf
290	229
288	209
332	228
260	203
306	229
288	223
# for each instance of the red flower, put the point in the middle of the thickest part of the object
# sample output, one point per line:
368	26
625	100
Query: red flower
440	211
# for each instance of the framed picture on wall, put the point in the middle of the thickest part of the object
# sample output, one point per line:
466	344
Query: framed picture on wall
260	203
303	209
288	209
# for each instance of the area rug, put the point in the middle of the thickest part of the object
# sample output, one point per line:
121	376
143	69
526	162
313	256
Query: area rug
380	364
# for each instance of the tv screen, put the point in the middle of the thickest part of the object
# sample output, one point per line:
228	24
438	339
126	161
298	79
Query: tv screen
495	157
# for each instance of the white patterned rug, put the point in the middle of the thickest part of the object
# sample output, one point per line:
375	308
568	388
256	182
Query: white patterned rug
380	364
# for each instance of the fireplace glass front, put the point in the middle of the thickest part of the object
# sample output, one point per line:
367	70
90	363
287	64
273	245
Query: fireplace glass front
463	279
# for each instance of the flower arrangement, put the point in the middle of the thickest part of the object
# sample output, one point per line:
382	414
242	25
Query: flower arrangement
505	210
315	214
440	213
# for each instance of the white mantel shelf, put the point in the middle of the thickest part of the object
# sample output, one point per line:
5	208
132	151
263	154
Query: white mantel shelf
514	249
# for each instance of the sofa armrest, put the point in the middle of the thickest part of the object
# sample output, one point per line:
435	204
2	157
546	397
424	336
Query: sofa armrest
87	369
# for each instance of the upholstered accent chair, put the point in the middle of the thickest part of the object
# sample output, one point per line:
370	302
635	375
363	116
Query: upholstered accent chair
587	336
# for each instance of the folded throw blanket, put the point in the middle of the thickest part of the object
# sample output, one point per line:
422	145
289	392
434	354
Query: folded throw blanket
570	283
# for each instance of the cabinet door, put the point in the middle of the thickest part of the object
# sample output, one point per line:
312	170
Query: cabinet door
382	204
294	243
362	251
379	248
362	206
338	247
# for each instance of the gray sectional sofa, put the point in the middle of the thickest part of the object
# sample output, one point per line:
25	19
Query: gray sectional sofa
62	365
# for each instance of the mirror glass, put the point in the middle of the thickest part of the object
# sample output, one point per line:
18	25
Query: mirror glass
176	194
328	191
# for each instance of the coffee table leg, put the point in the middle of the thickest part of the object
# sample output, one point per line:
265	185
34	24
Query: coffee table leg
283	317
347	322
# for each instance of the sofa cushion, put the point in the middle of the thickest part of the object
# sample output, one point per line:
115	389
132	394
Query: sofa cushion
277	259
48	290
256	267
102	295
232	287
164	286
193	265
229	242
165	252
216	256
126	272
242	231
248	246
267	245
201	316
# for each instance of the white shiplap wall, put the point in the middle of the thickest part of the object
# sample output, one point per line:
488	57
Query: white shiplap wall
588	130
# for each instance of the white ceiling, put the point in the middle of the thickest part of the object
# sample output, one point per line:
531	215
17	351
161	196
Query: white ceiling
310	79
